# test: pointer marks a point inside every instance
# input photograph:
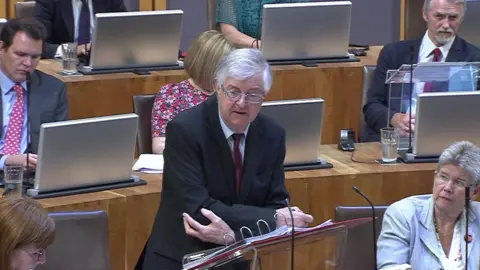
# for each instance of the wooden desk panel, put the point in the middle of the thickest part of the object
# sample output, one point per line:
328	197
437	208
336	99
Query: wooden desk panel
339	84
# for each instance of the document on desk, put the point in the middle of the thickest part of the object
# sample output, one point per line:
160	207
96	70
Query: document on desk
149	163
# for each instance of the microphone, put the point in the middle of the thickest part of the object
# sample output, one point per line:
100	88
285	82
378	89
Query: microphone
292	265
467	237
373	226
412	59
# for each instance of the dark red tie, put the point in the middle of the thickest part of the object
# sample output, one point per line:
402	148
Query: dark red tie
237	160
436	57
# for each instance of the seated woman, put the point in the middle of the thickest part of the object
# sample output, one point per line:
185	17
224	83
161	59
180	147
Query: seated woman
240	20
428	231
200	64
25	232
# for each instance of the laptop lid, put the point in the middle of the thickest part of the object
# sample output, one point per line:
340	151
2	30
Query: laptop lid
306	30
444	118
302	120
136	39
85	152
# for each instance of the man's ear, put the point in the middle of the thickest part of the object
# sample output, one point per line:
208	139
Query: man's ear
425	15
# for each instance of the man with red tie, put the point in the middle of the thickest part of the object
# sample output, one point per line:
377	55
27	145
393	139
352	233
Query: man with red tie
21	43
71	21
439	44
223	167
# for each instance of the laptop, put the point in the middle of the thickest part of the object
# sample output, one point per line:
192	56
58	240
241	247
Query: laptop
302	120
444	118
314	30
134	40
85	153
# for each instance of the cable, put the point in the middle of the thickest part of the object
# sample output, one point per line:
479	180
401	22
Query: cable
361	161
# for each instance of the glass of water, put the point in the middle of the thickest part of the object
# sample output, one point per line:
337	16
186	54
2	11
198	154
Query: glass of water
390	138
69	58
13	178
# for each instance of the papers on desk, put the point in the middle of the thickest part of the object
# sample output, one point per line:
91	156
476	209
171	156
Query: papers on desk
149	163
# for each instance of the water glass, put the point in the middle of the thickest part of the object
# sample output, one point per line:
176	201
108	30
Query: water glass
390	139
13	178
69	58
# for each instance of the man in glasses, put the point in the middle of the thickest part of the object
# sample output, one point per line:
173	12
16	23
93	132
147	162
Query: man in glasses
223	168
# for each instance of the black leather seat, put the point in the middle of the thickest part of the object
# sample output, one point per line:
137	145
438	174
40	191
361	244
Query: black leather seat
359	247
81	242
142	105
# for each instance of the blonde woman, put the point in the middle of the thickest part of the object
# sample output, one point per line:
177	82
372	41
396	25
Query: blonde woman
25	232
200	64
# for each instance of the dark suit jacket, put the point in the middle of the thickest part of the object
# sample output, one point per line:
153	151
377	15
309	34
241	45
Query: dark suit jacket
57	17
199	173
393	56
47	103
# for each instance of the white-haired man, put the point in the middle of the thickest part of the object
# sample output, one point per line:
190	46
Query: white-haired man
439	44
223	167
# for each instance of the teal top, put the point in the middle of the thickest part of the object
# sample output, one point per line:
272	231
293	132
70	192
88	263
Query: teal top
245	15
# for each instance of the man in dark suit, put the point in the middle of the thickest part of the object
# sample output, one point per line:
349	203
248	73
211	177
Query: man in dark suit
71	21
44	96
223	167
440	44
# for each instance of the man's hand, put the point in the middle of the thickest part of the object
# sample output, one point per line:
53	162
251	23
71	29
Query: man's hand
400	121
213	232
300	219
22	160
83	49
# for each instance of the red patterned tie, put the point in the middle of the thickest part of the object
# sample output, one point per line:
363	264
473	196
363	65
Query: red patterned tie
237	159
436	57
15	124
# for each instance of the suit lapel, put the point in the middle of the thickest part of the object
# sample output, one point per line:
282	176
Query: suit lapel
253	153
456	54
67	12
99	7
427	230
222	149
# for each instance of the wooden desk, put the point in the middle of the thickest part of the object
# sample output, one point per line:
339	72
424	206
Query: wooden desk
339	84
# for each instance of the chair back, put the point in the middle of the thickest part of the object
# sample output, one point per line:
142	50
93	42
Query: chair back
142	106
359	247
25	9
81	242
368	72
212	14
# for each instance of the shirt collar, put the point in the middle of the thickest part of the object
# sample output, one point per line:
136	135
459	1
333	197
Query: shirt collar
428	46
226	130
7	84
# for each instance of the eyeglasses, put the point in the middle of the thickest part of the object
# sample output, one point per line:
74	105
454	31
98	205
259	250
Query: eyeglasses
445	179
37	254
236	95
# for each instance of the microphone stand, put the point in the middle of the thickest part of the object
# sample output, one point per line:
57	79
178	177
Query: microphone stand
466	237
374	227
292	264
27	174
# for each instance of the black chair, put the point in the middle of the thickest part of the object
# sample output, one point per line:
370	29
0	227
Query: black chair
359	247
81	242
143	105
368	72
25	9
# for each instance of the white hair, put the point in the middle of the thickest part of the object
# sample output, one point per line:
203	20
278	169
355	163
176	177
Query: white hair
244	64
428	4
465	155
